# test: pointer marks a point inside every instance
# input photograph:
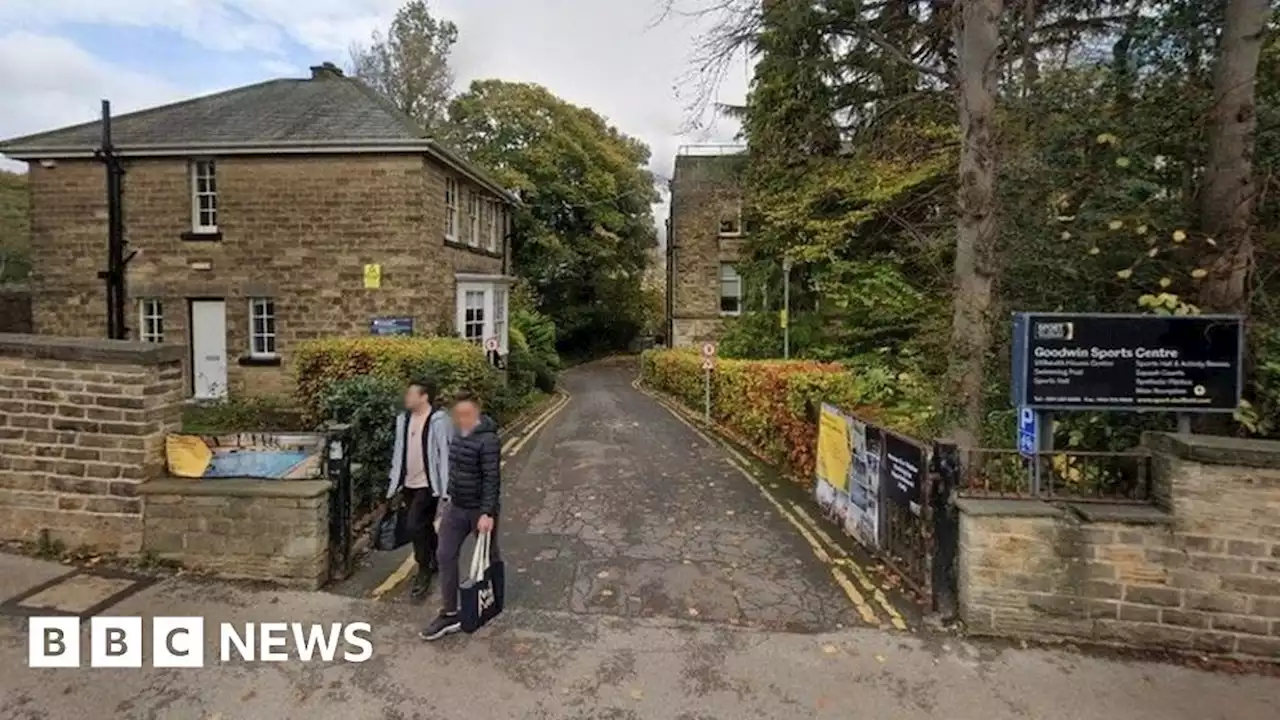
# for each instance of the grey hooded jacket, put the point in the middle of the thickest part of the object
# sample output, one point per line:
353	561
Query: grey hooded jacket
435	453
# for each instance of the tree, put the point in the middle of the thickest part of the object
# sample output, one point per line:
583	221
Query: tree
585	226
410	65
977	45
1230	190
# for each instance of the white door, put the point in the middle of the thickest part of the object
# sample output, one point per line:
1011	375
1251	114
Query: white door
209	348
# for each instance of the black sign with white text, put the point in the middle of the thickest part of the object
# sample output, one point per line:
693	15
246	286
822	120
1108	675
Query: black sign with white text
904	469
1141	363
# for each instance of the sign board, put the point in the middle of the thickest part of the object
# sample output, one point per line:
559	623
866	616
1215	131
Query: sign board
391	326
1028	432
904	469
708	350
492	344
782	318
372	277
1140	363
708	364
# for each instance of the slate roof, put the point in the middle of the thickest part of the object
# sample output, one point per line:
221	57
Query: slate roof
327	110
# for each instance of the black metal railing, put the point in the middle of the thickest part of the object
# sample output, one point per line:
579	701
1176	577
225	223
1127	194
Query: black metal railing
1057	474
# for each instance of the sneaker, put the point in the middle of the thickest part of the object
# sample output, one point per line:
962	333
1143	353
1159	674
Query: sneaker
444	624
421	585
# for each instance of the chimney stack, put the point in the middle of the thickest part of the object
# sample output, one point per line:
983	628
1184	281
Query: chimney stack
325	71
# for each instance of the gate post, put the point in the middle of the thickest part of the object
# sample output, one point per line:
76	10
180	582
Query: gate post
946	528
338	471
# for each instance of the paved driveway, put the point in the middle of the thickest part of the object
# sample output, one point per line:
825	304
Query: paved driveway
618	508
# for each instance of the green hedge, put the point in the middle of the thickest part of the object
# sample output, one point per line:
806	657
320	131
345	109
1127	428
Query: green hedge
773	404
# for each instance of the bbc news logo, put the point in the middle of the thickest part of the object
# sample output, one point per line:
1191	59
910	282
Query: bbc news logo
179	642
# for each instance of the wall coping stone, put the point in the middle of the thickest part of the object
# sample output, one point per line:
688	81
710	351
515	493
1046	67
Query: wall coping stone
1216	449
1127	513
1028	507
237	487
95	350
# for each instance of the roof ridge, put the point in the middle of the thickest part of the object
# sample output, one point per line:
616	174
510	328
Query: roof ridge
23	139
389	107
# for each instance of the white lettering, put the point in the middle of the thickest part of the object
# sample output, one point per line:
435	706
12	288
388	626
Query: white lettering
352	635
306	644
244	645
272	638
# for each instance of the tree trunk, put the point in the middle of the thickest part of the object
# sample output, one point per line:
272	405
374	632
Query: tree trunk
977	33
1227	200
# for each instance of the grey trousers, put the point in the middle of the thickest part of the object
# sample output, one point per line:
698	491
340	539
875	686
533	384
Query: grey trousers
455	525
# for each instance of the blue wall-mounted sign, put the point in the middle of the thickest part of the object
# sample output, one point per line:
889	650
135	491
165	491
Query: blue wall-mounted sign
391	326
1028	432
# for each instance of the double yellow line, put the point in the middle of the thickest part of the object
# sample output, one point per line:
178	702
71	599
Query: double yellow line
844	569
510	447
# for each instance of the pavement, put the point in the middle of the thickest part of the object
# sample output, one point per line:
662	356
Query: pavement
651	574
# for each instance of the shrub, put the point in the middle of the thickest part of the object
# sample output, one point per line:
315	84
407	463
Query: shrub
773	404
539	334
370	404
247	414
452	362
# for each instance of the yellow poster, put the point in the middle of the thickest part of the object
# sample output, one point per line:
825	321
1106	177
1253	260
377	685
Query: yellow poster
835	455
782	318
188	456
372	277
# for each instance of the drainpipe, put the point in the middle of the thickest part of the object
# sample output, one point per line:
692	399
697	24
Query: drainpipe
671	266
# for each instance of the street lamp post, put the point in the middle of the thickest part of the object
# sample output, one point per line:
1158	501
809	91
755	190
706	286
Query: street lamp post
786	308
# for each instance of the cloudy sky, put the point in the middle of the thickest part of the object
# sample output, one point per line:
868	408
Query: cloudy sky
59	58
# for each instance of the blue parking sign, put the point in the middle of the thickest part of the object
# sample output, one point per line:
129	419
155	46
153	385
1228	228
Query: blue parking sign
1027	432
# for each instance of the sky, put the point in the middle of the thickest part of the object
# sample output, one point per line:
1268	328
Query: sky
60	58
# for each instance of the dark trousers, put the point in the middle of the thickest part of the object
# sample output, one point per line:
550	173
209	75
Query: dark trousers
422	518
455	525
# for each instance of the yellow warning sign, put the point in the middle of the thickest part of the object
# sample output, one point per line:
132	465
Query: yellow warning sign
782	318
187	456
372	277
835	454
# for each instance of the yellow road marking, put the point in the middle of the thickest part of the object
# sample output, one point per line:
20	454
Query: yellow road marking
820	549
895	617
402	573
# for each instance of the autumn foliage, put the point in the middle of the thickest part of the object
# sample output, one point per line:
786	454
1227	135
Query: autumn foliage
773	405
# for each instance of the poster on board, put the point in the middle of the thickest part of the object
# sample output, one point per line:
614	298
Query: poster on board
831	484
863	518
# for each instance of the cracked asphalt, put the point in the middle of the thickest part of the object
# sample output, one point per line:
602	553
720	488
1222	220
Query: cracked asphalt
648	579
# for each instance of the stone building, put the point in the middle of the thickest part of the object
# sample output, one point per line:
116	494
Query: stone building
704	239
266	215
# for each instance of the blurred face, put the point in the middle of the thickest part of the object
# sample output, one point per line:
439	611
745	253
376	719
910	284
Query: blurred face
415	398
466	415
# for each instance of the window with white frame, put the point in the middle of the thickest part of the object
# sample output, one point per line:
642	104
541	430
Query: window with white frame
498	227
204	197
730	290
473	215
473	315
500	315
450	209
262	327
482	310
151	320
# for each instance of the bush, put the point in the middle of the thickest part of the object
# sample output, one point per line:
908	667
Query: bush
539	334
370	404
452	362
773	404
248	414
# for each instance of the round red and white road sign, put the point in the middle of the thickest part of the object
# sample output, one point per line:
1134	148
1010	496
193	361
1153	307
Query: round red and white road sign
708	349
491	344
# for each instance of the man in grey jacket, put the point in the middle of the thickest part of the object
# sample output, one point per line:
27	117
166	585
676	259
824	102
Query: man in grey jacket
420	470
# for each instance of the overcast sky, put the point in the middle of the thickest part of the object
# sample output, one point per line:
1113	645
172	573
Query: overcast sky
59	58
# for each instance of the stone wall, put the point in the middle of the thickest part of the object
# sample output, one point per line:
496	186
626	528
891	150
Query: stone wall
277	531
297	229
703	189
82	424
1199	573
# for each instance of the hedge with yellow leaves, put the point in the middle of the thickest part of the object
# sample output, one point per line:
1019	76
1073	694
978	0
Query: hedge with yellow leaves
773	405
